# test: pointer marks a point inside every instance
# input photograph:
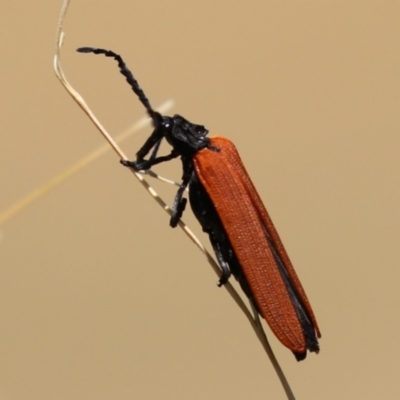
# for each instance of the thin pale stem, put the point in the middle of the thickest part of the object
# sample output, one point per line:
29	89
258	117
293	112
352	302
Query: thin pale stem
268	349
254	321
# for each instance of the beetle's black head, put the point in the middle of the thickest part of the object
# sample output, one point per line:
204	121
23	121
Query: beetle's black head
183	135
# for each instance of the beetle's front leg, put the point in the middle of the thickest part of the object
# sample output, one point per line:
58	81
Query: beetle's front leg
140	165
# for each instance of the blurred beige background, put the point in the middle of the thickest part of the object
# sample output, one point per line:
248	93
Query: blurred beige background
100	299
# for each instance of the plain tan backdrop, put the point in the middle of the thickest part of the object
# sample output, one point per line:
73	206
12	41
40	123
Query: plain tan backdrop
100	299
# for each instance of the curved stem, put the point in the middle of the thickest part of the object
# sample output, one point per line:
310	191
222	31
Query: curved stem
254	321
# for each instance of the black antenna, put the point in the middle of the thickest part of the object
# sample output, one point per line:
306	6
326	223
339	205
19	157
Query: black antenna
155	116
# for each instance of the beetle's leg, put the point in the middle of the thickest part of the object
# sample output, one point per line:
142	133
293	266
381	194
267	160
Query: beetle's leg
180	202
139	165
226	271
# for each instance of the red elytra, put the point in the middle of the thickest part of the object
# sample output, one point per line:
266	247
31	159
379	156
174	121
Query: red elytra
246	222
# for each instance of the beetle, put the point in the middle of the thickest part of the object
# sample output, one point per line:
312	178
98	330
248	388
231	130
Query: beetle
229	209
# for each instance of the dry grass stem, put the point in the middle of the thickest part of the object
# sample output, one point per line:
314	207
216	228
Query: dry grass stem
254	320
